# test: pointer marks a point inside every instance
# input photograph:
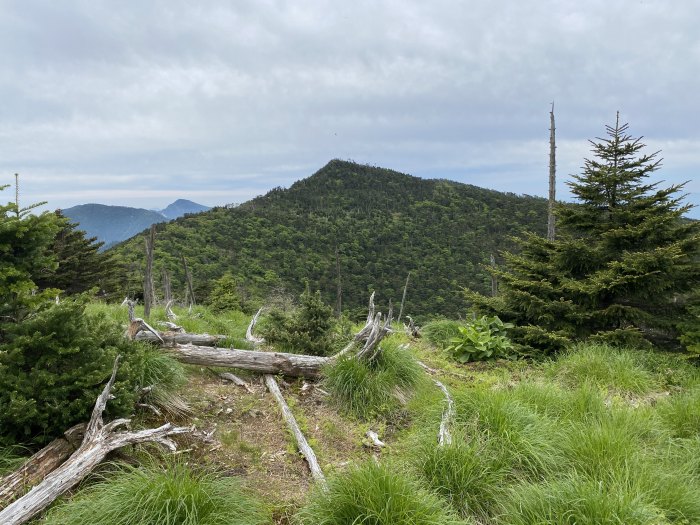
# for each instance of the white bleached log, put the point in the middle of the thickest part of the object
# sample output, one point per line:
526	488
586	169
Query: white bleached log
302	444
444	436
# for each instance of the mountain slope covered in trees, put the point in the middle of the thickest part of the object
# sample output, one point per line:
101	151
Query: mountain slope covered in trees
370	225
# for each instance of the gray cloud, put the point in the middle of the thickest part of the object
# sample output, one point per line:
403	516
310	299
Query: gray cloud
139	102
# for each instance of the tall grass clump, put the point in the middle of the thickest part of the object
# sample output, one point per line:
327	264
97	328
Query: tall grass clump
372	494
681	414
468	474
367	388
582	403
528	441
611	445
11	458
156	495
441	331
615	369
575	500
163	376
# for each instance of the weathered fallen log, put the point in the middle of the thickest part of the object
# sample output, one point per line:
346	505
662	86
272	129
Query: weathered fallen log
444	436
296	365
40	464
172	338
302	444
99	440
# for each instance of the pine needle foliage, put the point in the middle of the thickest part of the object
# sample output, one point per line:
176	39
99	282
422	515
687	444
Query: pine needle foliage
54	365
622	263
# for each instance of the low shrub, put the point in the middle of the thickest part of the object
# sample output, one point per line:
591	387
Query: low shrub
160	495
373	388
306	330
373	494
54	365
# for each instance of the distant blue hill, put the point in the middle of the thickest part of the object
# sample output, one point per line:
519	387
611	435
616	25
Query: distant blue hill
181	207
113	224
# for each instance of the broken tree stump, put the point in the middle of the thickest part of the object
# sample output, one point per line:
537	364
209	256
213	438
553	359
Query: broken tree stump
99	440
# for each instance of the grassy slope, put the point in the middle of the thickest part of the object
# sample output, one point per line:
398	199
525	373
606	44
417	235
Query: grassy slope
598	436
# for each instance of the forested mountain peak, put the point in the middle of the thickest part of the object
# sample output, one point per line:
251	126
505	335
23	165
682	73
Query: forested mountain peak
363	226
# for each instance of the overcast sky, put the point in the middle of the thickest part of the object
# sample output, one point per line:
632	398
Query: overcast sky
139	103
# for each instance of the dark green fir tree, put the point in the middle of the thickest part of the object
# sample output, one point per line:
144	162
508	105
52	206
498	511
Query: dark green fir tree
54	358
621	267
81	266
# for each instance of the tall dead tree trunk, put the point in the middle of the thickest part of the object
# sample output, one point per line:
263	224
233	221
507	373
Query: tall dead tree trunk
403	298
339	294
99	440
552	177
148	295
494	279
188	279
17	194
167	289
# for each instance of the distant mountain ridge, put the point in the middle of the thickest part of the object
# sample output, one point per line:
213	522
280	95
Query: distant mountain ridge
182	207
351	227
113	224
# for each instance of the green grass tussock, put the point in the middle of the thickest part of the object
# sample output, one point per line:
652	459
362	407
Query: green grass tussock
155	495
615	369
365	389
372	494
527	440
575	500
681	413
165	376
440	332
468	474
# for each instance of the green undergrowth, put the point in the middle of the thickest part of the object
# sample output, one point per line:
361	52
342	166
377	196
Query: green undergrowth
171	494
598	435
441	331
602	436
163	377
11	457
